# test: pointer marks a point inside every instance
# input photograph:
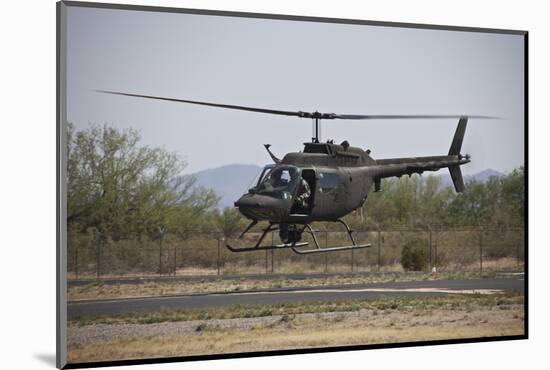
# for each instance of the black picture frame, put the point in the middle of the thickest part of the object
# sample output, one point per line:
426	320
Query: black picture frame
61	267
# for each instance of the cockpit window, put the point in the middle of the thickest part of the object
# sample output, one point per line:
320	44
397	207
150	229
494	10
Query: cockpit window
279	181
260	176
328	181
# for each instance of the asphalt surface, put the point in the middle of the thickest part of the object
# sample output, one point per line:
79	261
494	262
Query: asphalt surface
305	294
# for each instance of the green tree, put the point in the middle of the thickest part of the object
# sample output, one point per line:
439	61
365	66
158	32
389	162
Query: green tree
513	196
230	222
421	200
476	205
430	201
379	208
121	187
194	213
404	192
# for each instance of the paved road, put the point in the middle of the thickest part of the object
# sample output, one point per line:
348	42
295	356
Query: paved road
306	294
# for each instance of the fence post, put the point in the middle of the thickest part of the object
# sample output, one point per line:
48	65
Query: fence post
76	260
481	249
175	259
379	245
266	260
161	231
218	261
272	254
98	253
517	254
352	259
326	254
435	248
430	246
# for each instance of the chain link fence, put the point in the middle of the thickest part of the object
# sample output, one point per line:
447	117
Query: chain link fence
393	250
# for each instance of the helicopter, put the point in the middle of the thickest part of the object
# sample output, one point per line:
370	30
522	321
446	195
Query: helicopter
325	181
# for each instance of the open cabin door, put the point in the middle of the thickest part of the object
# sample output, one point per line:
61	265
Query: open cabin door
306	206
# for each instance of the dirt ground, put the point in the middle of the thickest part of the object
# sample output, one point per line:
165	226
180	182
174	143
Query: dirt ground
103	342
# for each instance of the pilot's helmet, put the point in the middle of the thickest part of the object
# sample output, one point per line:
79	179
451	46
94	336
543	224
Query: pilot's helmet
276	173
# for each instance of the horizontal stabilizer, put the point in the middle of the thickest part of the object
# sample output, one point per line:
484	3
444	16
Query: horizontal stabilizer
456	175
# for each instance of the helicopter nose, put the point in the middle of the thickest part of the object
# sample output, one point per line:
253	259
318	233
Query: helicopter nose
248	201
261	207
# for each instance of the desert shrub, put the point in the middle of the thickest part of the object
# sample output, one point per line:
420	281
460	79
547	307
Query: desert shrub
414	256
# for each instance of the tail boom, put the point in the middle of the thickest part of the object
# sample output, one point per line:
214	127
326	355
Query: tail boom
407	166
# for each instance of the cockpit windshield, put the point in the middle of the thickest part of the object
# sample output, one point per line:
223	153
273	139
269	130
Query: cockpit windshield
260	176
278	181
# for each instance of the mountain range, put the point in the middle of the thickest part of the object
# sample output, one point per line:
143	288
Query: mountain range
232	181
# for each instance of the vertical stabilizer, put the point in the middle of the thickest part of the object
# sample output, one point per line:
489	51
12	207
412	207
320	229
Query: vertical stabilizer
456	145
456	175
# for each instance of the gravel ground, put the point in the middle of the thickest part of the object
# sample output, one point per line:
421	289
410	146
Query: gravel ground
107	342
83	335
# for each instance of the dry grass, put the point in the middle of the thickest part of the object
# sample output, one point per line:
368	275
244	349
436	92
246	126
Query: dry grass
500	264
97	290
367	326
304	267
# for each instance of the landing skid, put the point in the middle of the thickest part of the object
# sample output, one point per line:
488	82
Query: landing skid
296	246
318	248
258	247
266	247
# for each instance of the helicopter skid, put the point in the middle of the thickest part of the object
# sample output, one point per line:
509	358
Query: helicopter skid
296	246
258	247
318	248
331	249
265	247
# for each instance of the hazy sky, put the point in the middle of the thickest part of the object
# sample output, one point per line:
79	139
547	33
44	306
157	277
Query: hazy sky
292	65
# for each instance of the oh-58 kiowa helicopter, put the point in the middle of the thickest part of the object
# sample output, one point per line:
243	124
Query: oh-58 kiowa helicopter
325	181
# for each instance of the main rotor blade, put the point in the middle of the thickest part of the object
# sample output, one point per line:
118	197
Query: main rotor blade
315	115
406	116
228	106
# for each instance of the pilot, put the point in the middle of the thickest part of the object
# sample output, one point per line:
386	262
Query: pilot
279	179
